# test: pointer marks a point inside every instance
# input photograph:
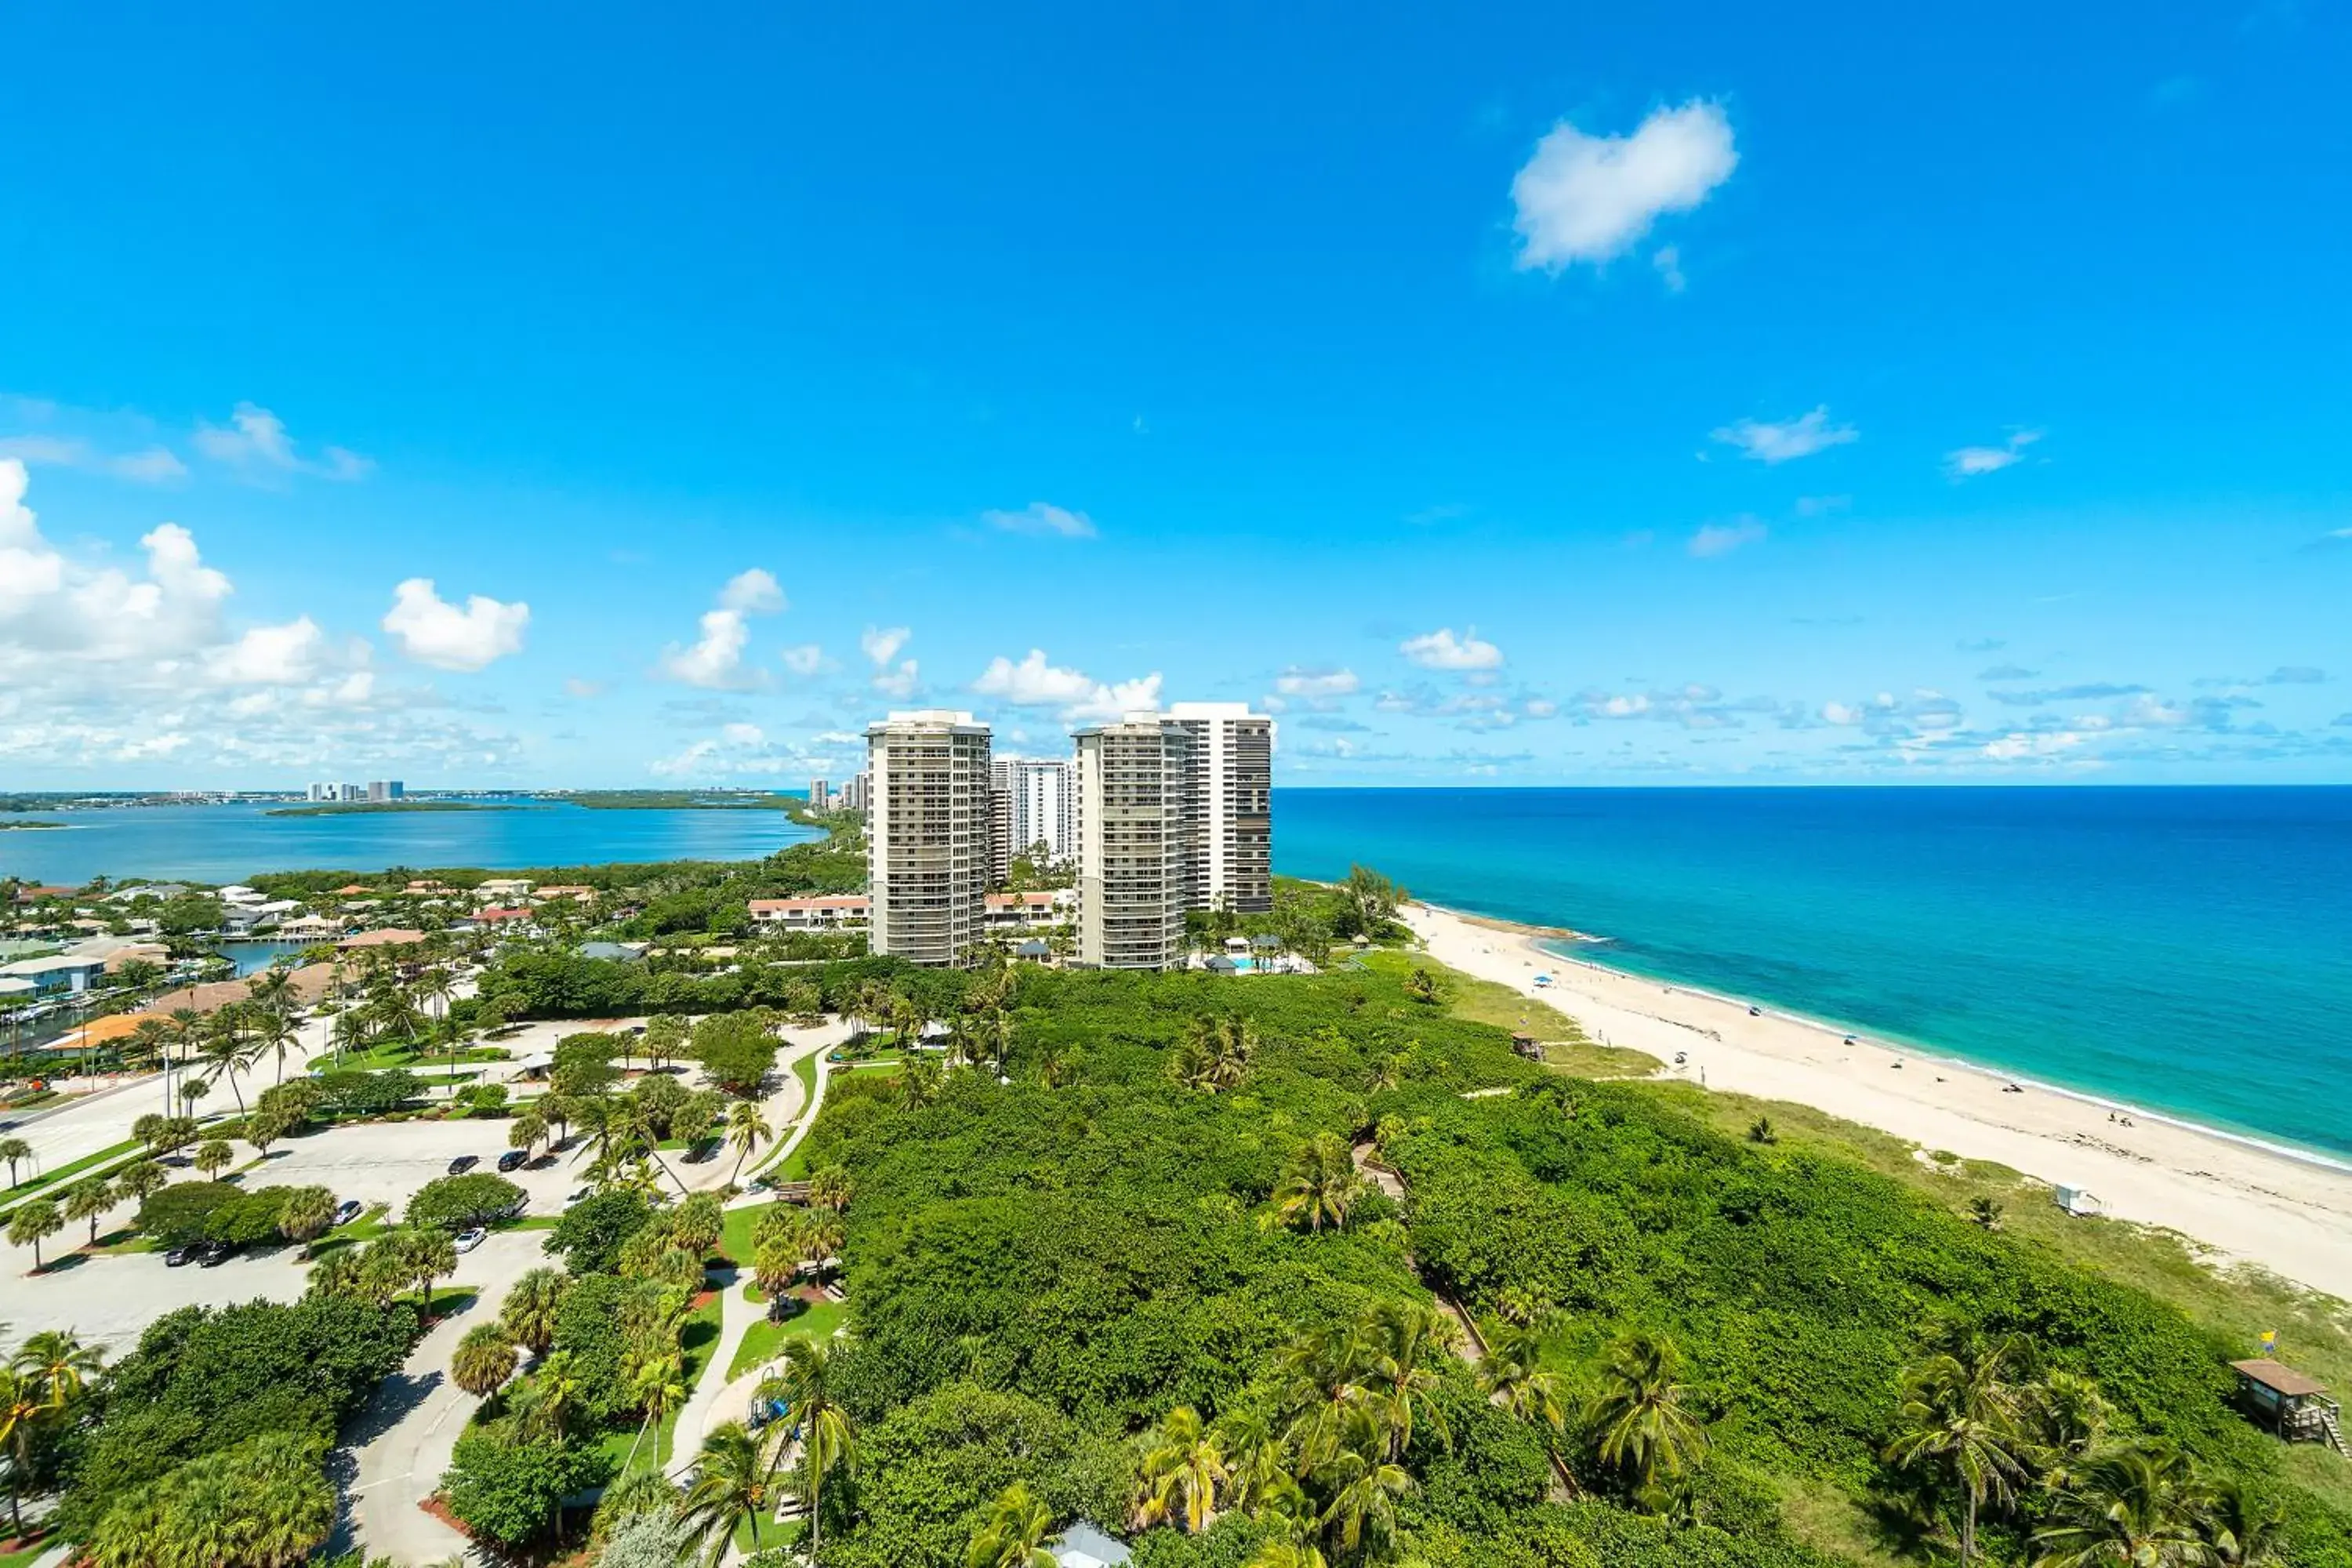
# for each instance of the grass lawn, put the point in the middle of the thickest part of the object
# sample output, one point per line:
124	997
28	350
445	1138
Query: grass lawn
370	1224
735	1233
24	1559
1565	1044
526	1222
804	1069
399	1053
50	1180
764	1340
699	1338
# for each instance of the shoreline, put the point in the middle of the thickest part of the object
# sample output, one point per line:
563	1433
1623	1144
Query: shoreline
2239	1197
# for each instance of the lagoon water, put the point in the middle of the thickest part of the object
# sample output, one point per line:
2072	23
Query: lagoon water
2189	950
226	843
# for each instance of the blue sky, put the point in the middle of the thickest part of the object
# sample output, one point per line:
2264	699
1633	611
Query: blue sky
570	395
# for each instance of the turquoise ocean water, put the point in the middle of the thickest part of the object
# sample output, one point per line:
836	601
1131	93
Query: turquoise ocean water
2189	950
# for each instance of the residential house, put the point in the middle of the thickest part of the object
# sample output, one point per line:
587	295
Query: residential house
836	911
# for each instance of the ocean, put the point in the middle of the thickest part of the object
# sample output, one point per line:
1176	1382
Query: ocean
228	843
2184	950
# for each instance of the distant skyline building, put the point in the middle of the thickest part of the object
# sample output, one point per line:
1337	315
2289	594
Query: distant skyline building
1175	812
1043	793
382	790
856	796
927	854
820	795
999	835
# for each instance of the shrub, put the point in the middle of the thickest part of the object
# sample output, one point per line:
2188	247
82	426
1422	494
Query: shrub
457	1203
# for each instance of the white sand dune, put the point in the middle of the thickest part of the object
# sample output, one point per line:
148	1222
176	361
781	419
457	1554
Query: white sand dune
2243	1201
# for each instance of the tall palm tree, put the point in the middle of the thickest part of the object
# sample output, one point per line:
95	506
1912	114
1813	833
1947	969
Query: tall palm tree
89	1199
23	1406
1319	1182
531	1307
554	1388
828	1443
309	1214
484	1359
746	1131
2068	1417
831	1187
425	1254
1324	1395
14	1151
1960	1415
33	1222
273	1033
1364	1487
1512	1373
1644	1429
658	1382
1186	1467
2240	1531
58	1363
733	1476
1013	1534
2133	1506
1407	1336
226	1047
140	1180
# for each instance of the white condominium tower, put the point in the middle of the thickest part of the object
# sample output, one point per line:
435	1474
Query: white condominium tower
927	834
1175	813
1044	795
1233	767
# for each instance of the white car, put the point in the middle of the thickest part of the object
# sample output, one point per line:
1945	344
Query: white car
469	1239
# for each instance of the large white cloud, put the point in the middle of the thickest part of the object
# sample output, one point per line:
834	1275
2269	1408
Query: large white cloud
1035	681
714	661
1590	199
1441	649
431	630
1780	441
1315	683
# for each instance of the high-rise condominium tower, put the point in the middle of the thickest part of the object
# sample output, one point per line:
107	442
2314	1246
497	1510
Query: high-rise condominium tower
1043	791
1174	814
1233	767
926	855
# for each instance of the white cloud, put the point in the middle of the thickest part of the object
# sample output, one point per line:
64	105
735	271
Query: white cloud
431	630
2020	746
1668	261
1441	649
1841	713
148	466
1768	442
715	660
900	682
881	644
1968	462
751	592
1723	538
803	659
1315	683
288	655
1042	517
1590	199
1037	682
255	441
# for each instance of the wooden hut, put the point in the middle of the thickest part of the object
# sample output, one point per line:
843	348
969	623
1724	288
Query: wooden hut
2292	1404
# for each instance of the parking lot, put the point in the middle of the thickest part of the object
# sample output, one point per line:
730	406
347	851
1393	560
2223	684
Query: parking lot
387	1161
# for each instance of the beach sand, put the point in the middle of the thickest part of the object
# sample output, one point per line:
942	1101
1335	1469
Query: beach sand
2245	1202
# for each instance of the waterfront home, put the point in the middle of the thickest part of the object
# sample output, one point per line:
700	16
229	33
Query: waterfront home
64	975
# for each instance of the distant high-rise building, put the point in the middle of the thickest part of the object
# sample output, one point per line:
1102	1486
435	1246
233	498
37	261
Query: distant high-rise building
856	795
382	790
1000	836
1232	764
1043	793
354	792
323	791
926	855
1137	834
820	795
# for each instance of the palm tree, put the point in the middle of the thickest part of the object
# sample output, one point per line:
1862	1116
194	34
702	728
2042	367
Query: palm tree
24	1405
1288	1555
1512	1374
529	1131
1406	1336
2240	1531
308	1215
529	1314
827	1440
340	1273
831	1187
214	1156
2068	1416
1644	1429
140	1180
1186	1463
59	1363
1012	1535
33	1222
1318	1183
484	1359
1364	1489
733	1474
424	1254
658	1383
746	1131
1960	1413
227	1049
2134	1506
1985	1212
273	1033
554	1387
14	1151
89	1199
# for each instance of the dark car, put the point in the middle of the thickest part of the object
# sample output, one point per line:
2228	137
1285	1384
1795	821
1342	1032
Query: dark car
215	1254
179	1256
463	1163
513	1159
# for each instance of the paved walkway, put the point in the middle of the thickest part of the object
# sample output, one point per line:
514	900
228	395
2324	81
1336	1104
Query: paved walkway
705	1409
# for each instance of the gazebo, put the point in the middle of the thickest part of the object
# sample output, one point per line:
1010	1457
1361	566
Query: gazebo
2294	1405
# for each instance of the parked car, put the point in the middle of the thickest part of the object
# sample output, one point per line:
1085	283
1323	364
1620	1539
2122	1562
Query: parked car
583	1196
469	1239
463	1163
216	1253
346	1212
182	1254
513	1159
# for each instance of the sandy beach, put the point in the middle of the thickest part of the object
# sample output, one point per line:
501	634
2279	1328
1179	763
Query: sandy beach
2245	1202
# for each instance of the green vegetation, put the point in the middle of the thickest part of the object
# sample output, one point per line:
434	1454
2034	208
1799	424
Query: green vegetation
1564	1041
765	1339
684	800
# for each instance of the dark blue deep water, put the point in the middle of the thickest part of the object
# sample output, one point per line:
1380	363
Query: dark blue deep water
2186	950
